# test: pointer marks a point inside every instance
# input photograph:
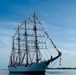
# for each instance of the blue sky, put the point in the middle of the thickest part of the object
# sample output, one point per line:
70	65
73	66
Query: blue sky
58	17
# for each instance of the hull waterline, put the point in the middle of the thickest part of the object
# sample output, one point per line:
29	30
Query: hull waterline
34	68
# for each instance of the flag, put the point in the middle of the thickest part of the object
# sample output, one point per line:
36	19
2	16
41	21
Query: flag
40	23
43	29
60	58
57	49
36	17
28	18
46	33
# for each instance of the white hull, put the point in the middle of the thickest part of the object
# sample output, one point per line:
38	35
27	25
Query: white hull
36	67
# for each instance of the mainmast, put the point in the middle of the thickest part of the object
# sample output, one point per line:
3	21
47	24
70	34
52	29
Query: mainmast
36	45
19	52
26	43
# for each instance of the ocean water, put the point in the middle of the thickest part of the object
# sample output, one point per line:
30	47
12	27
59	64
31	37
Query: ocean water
48	72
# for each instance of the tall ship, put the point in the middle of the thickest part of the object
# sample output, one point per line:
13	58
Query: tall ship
28	47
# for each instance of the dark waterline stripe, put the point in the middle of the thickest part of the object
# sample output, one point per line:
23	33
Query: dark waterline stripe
35	72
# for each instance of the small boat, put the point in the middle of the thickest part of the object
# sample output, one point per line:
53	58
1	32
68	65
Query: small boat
26	55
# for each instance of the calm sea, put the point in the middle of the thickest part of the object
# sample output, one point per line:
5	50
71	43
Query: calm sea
48	72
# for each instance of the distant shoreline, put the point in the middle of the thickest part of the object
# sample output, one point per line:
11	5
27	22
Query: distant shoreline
63	68
3	69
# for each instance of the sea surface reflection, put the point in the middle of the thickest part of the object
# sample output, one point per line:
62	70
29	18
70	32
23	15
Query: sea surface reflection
48	72
26	74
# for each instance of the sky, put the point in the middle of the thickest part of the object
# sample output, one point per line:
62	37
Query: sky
58	18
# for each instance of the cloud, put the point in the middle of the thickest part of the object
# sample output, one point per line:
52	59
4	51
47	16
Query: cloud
9	23
63	38
71	32
68	58
5	47
6	32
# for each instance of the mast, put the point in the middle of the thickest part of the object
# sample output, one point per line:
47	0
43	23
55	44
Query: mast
19	45
26	43
36	45
13	50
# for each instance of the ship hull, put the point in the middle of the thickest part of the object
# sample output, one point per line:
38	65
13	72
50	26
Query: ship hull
33	68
